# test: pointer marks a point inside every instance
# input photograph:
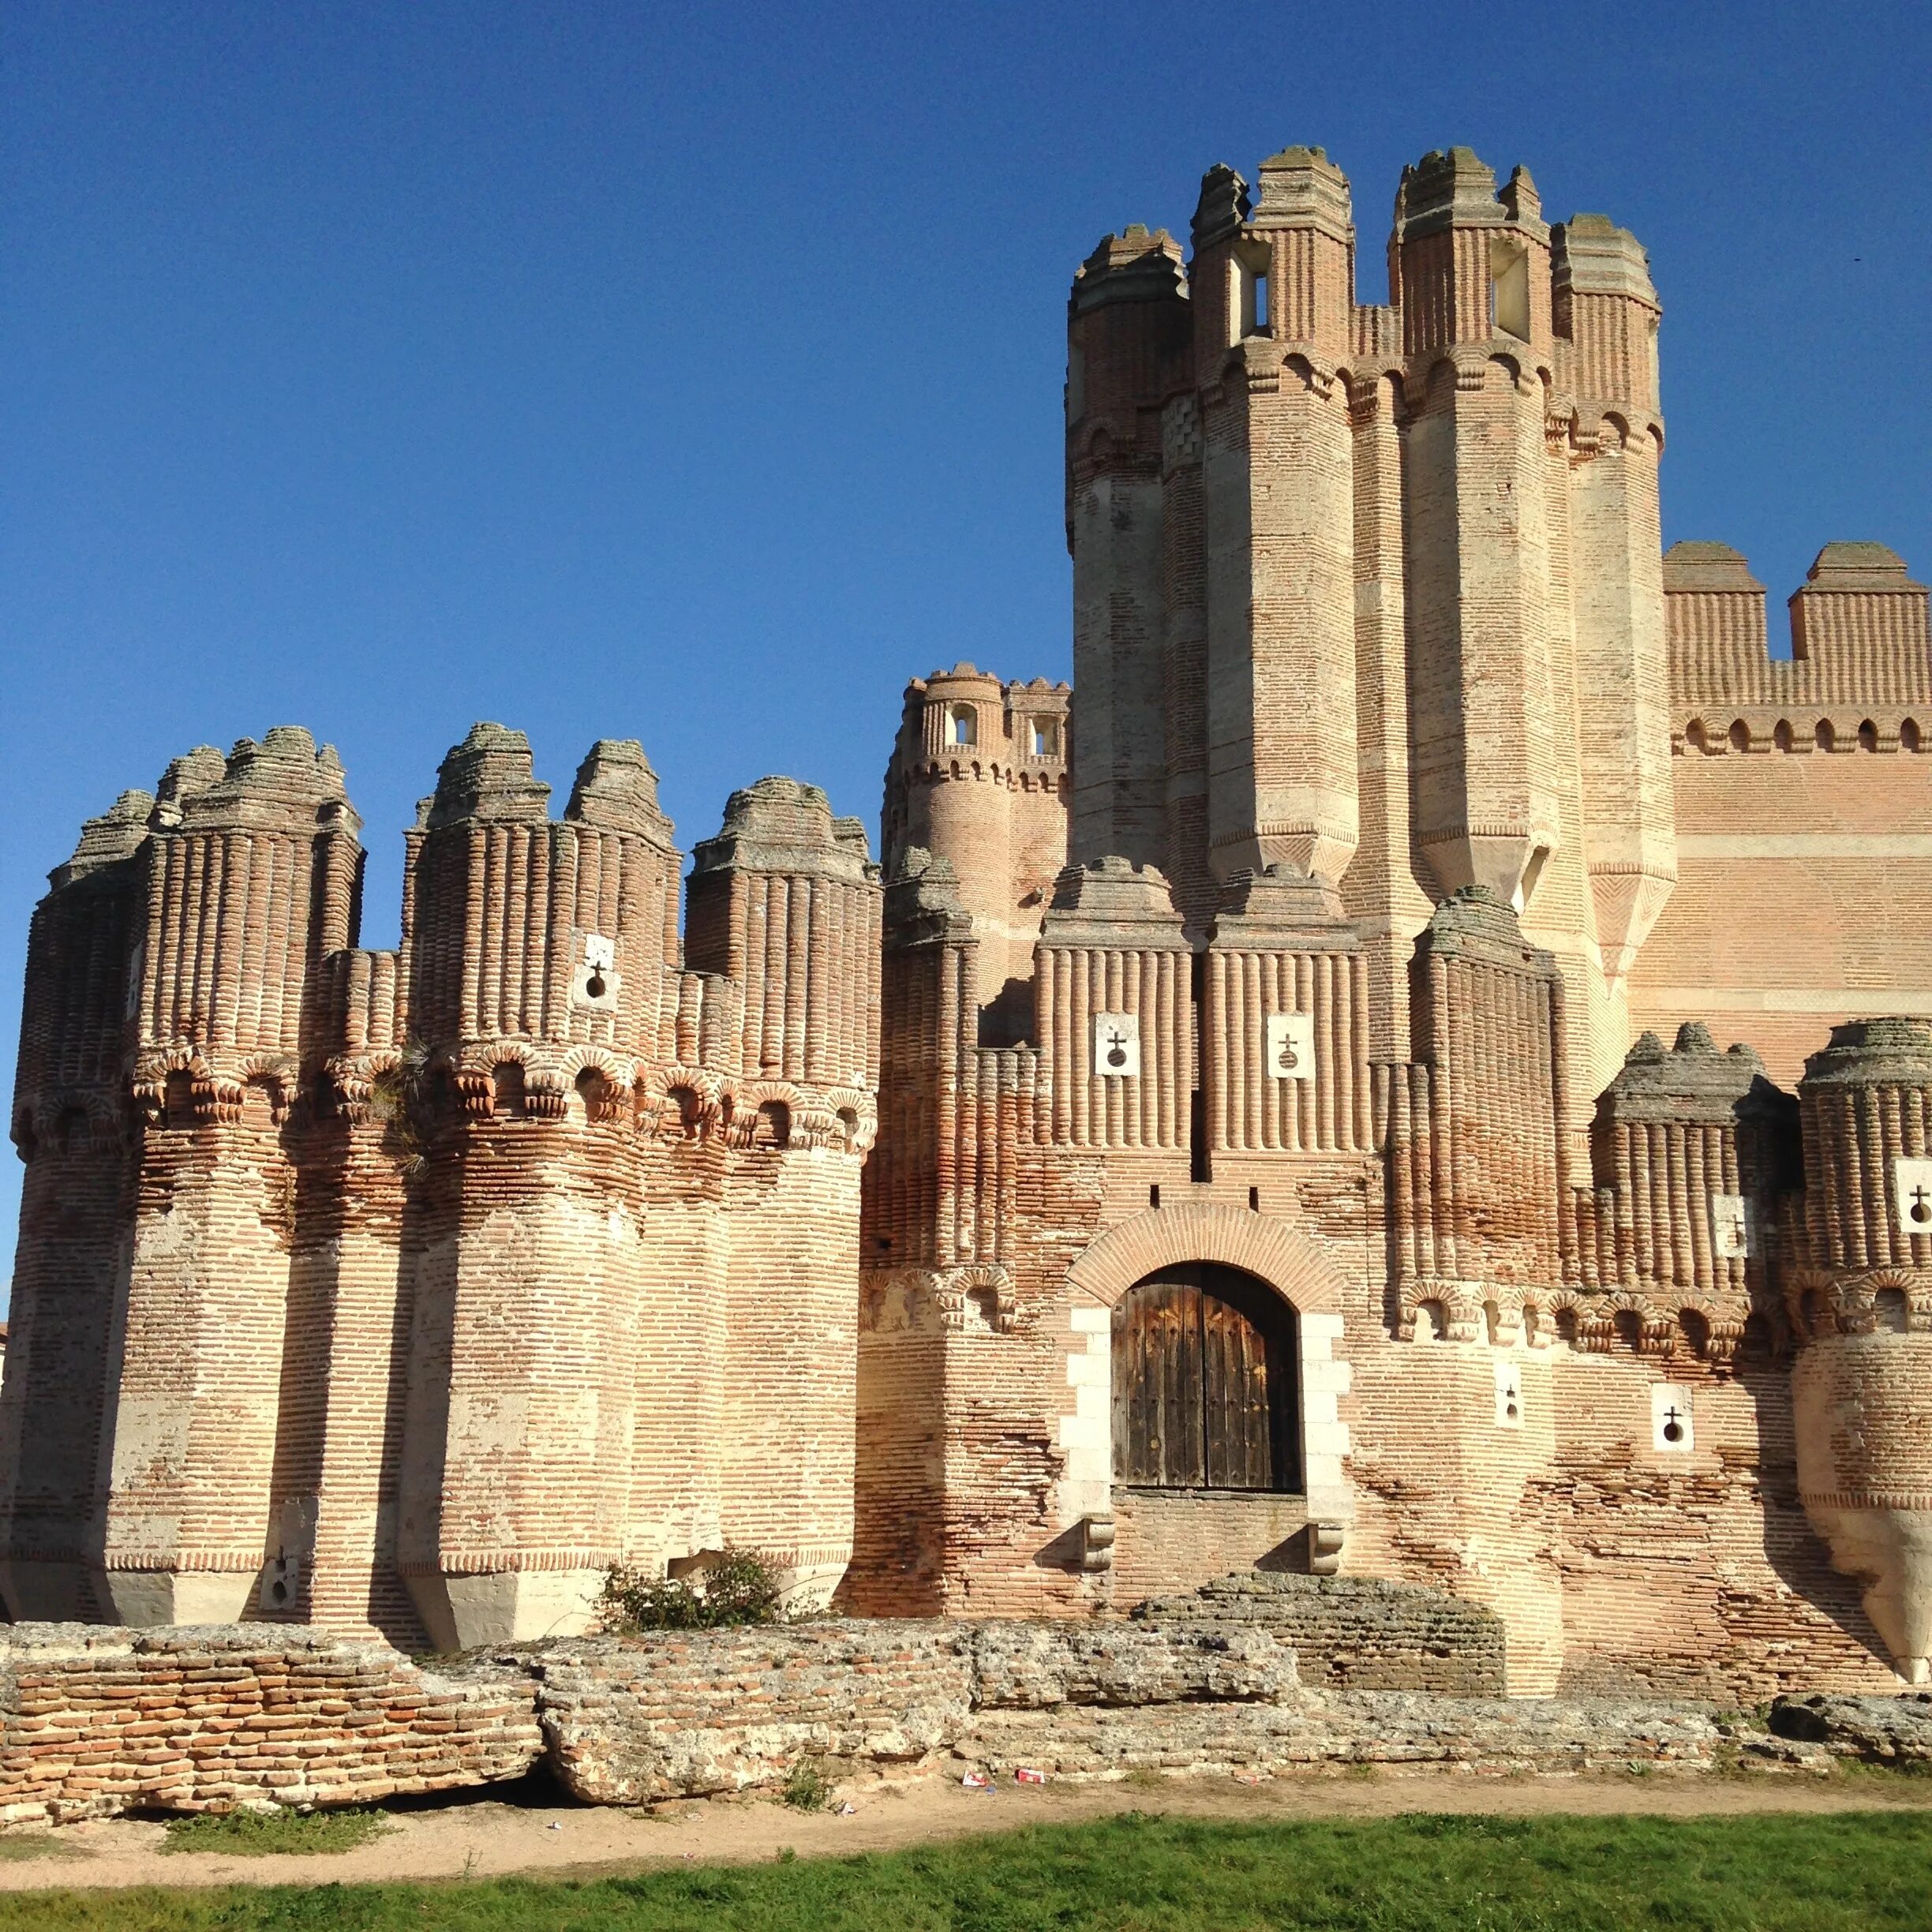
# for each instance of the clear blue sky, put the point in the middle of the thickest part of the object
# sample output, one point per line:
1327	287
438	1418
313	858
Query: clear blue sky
694	373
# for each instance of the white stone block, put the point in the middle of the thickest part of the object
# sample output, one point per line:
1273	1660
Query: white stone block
1320	1322
1085	1371
1080	1431
1333	1376
1325	1438
1086	1320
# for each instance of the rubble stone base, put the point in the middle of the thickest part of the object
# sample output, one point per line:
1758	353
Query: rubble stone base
95	1723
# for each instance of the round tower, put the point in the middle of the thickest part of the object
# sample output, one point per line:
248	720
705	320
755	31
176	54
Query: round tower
1861	1305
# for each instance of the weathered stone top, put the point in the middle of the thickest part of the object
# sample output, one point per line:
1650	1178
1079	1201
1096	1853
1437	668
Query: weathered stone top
779	825
1704	565
616	791
922	902
1301	187
1280	909
193	771
1886	1052
488	776
281	783
1858	567
1591	255
1222	207
1111	902
1141	265
1475	924
1454	190
116	834
1691	1081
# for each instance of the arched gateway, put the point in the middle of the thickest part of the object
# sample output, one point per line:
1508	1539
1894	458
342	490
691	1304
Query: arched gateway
1203	1384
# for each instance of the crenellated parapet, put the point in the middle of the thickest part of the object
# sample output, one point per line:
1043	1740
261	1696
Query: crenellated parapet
1859	677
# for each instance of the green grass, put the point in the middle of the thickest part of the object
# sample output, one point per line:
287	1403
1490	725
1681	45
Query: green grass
32	1844
267	1834
1766	1872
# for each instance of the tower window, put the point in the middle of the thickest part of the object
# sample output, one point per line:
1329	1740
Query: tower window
1509	290
1045	738
1251	297
965	726
1204	1368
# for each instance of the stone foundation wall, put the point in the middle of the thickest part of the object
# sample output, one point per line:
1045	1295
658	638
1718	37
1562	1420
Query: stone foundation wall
95	1723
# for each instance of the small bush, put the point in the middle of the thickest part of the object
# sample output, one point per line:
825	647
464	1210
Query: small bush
807	1788
738	1587
265	1834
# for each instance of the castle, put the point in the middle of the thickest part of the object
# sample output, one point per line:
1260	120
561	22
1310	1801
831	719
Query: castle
1231	1125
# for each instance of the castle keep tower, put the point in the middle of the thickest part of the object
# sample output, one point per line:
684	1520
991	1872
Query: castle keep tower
1374	593
1319	1199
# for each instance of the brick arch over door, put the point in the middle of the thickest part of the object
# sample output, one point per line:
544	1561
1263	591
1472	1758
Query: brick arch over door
1289	1262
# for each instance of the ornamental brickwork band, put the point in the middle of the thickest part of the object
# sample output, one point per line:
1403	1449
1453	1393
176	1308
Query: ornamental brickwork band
1231	1126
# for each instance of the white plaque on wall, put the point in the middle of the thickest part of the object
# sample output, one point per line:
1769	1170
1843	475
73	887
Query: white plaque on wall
1912	1194
1730	1227
1289	1043
1116	1046
1508	1394
1670	1418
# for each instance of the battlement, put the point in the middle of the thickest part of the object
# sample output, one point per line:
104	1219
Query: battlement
1861	654
1473	267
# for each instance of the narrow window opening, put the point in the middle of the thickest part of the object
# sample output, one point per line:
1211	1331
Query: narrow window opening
1254	1201
1908	736
1154	1195
1740	735
506	1089
177	1098
1868	736
1509	290
965	726
1198	1167
1045	738
1526	890
1825	737
1782	736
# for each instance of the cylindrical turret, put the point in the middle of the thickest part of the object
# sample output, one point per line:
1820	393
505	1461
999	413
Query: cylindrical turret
71	1129
253	880
979	778
1862	1311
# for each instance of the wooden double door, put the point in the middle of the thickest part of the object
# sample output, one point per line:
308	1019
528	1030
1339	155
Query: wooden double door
1205	1373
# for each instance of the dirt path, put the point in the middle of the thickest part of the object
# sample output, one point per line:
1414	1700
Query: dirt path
489	1837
